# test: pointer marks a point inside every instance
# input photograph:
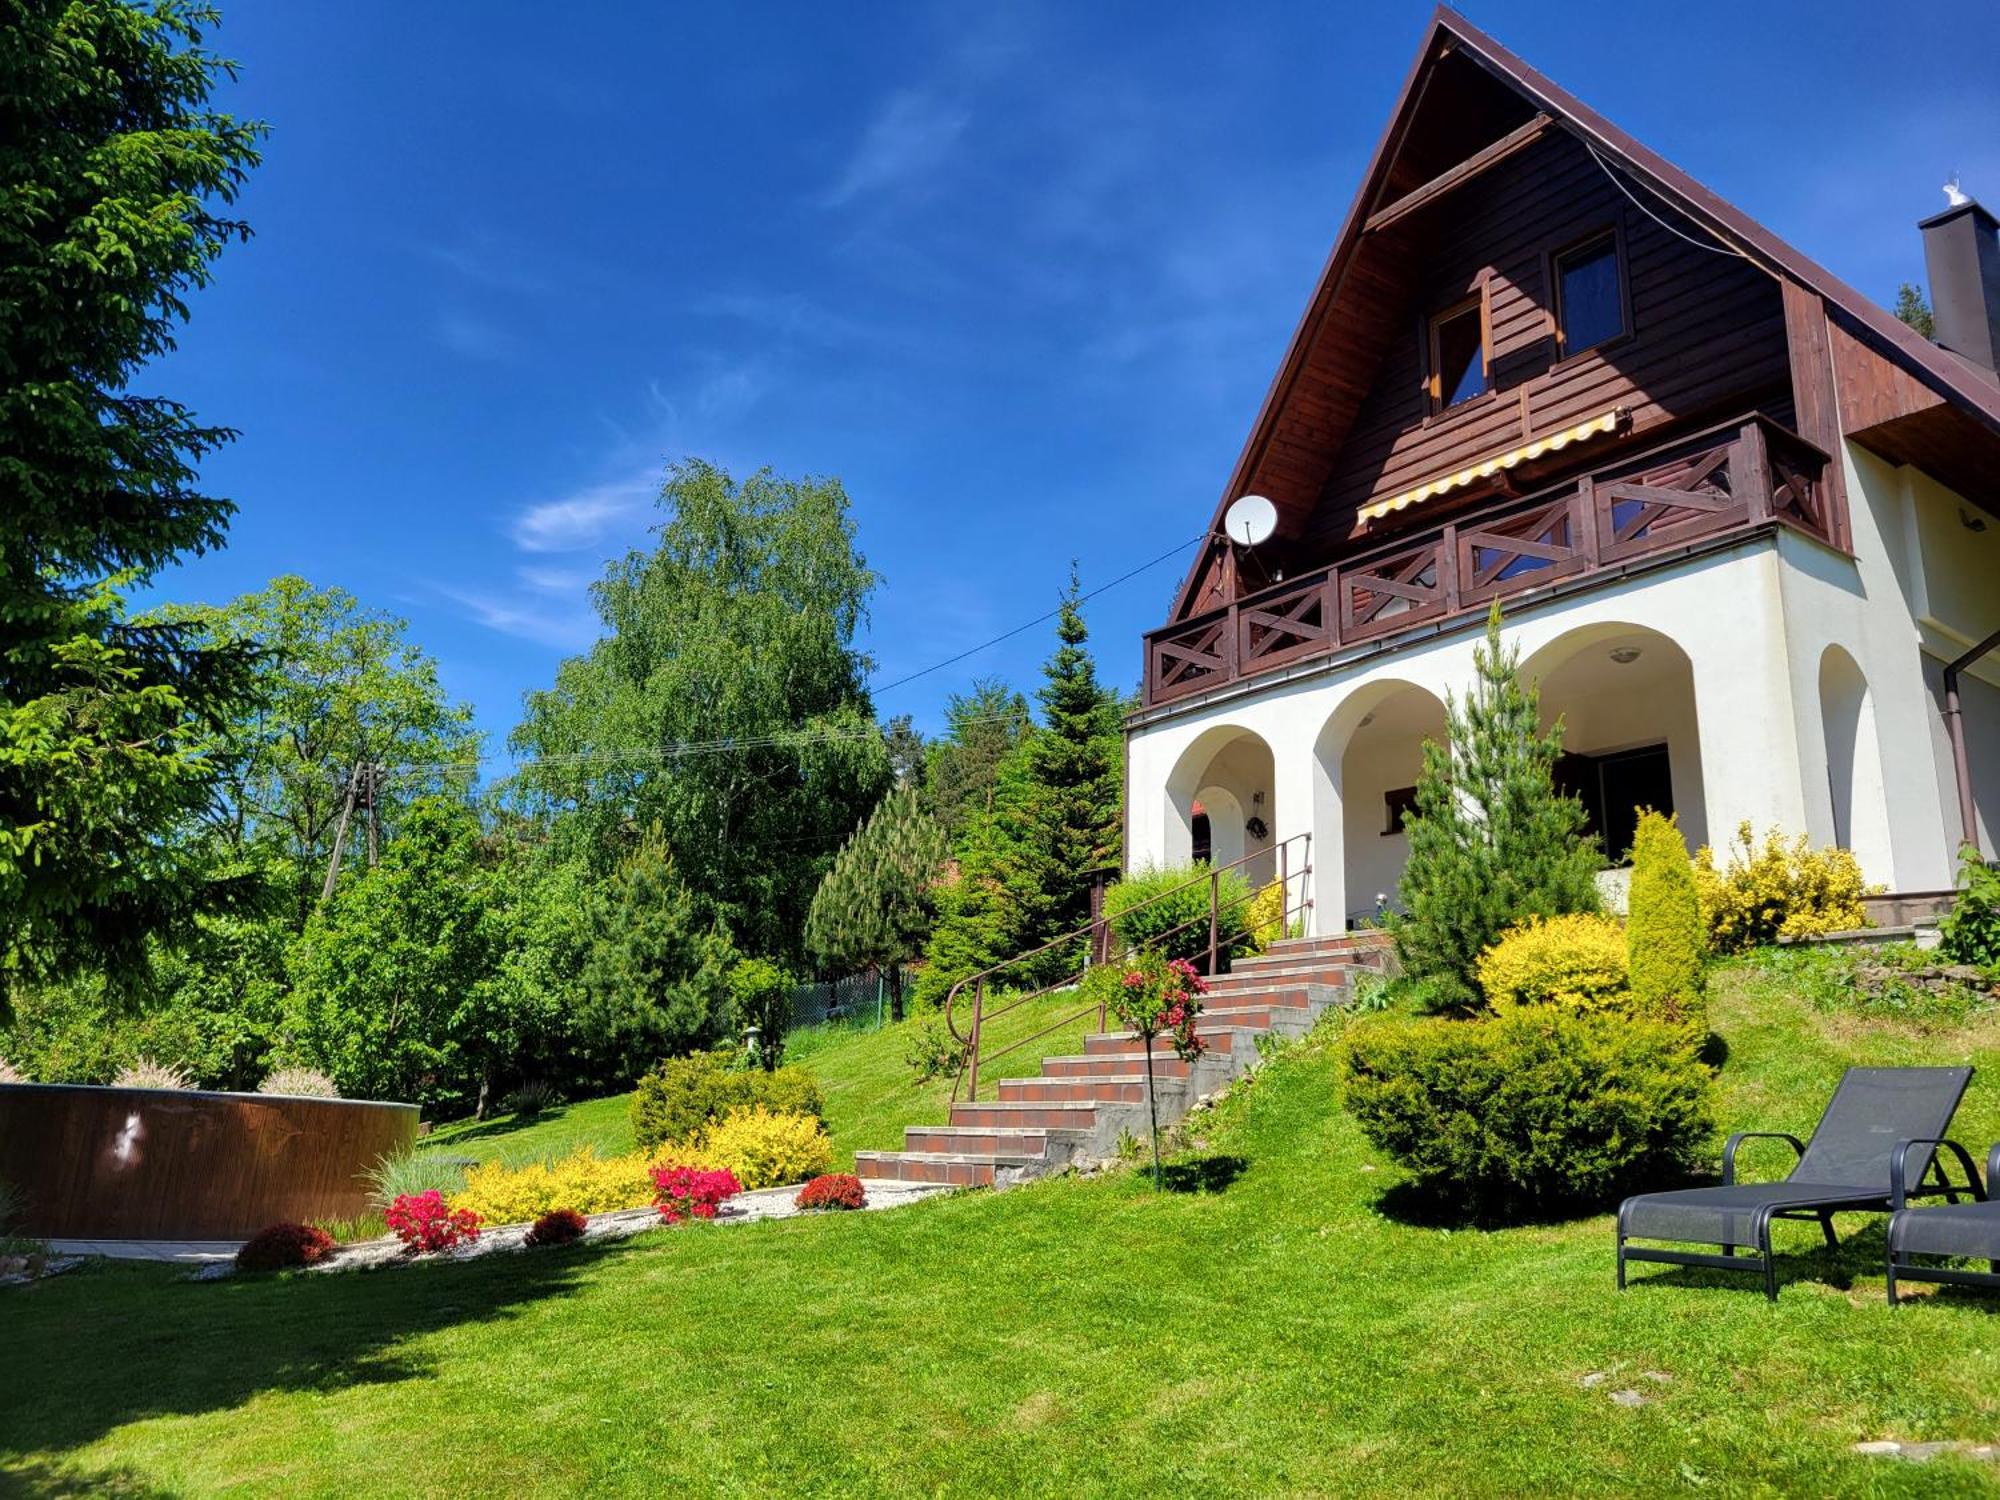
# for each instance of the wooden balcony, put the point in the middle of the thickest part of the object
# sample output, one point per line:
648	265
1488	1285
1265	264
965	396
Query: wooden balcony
1746	475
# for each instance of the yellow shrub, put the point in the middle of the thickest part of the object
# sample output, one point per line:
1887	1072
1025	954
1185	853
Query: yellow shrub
1786	889
764	1149
586	1182
1265	916
1576	963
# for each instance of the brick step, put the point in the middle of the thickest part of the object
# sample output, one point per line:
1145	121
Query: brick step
1029	1114
1117	1088
1286	992
1126	1043
1291	971
977	1140
1364	947
1113	1064
957	1170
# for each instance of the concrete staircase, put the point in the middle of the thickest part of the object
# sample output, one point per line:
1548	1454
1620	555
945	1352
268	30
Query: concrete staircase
1075	1112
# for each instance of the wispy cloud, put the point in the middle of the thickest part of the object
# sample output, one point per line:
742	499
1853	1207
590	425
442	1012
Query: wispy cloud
475	337
909	138
565	626
581	520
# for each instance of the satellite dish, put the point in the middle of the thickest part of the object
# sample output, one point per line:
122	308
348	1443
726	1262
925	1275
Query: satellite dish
1250	521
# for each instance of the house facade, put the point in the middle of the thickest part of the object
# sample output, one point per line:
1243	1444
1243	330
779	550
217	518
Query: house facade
1742	523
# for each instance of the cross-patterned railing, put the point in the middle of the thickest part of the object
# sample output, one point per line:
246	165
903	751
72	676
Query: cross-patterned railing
1751	472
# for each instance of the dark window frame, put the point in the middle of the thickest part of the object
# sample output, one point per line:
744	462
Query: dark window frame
1400	805
1552	258
1477	302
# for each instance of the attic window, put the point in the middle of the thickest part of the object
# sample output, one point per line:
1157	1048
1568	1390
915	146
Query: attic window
1458	354
1590	297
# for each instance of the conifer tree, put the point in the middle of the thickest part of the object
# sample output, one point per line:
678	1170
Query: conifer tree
876	905
1056	817
656	983
1492	841
1664	937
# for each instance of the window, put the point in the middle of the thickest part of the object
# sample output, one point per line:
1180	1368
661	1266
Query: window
1590	301
1614	789
1401	805
1458	354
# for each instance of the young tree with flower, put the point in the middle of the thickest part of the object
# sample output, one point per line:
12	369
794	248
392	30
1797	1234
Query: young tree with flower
1155	997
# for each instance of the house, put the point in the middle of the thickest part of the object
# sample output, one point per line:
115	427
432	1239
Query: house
1744	524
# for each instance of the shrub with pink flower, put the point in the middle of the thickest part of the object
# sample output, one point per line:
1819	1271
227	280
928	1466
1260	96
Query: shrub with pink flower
424	1223
683	1193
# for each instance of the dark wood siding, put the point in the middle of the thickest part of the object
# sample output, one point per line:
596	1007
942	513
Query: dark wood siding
1707	335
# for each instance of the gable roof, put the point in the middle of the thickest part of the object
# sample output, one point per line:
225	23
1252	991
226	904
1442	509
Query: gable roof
1327	347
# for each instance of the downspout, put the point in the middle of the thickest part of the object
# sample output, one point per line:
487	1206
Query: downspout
1954	725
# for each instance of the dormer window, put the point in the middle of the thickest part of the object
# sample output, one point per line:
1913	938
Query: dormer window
1589	295
1458	354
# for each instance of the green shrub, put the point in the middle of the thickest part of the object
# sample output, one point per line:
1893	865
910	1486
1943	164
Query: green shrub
763	994
1170	908
1574	962
1971	929
931	1050
1533	1111
1786	889
675	1101
1665	940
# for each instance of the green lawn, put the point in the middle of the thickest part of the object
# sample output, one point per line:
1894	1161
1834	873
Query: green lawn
870	1095
1284	1333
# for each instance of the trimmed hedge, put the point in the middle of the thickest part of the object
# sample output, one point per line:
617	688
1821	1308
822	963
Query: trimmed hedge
1665	940
683	1095
1535	1111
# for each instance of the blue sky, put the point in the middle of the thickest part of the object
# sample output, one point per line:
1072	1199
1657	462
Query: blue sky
1019	275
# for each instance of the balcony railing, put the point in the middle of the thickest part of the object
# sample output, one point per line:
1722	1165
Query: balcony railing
1746	474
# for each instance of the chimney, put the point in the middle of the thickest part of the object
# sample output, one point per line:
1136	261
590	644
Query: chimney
1962	258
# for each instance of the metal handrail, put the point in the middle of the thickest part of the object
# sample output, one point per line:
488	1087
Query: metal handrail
1098	934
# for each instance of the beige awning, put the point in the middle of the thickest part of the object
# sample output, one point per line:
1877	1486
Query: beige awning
1486	468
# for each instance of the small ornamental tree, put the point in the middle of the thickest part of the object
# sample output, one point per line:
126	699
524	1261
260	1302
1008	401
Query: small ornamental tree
1492	841
1664	939
1159	997
877	904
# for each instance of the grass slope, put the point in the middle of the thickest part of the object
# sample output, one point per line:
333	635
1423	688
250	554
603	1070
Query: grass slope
869	1088
1282	1334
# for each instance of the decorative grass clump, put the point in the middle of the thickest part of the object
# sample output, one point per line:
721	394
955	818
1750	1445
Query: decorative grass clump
144	1073
302	1083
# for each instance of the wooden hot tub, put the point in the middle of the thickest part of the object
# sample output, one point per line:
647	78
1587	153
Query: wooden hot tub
174	1164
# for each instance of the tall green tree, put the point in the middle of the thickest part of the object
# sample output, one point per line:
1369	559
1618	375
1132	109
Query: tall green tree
1056	821
1492	841
114	166
1914	310
335	686
725	704
656	983
962	767
877	904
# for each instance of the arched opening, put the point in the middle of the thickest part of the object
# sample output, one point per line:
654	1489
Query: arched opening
1368	757
1625	695
1220	803
1854	764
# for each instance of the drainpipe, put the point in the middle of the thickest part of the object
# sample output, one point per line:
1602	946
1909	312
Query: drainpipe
1954	724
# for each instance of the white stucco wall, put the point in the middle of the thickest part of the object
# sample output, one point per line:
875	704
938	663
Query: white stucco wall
1725	611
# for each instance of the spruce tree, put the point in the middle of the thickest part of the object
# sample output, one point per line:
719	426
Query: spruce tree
1492	841
1055	818
877	904
656	983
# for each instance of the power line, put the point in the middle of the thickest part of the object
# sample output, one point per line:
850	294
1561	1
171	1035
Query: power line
1717	249
1007	635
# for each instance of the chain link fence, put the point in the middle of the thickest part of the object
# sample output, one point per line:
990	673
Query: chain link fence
860	1001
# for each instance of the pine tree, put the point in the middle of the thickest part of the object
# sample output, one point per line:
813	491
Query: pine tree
1492	841
1914	310
1664	939
876	905
1056	818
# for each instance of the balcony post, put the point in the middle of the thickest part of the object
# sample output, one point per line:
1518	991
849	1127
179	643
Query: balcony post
1750	471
